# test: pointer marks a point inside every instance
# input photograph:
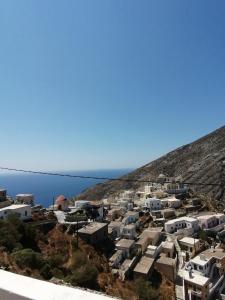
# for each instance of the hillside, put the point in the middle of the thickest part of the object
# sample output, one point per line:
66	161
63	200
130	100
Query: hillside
200	161
48	252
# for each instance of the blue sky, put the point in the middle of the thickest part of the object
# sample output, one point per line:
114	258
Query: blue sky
107	84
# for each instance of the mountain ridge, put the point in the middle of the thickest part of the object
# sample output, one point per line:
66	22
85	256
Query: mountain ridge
202	160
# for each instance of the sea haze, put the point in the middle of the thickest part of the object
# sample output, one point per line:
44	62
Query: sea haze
46	187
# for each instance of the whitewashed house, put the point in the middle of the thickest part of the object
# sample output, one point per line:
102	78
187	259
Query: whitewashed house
210	221
130	217
207	221
126	246
153	203
129	232
115	228
23	211
181	223
173	202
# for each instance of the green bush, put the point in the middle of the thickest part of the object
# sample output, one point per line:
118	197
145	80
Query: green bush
28	258
56	260
46	272
85	276
145	291
14	234
9	236
79	259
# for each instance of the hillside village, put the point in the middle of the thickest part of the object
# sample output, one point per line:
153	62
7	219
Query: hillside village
161	229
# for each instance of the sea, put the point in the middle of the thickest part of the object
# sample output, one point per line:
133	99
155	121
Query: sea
45	187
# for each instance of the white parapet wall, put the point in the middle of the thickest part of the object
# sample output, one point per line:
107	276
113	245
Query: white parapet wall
18	287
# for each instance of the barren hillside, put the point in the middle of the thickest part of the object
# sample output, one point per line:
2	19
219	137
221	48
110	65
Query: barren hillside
200	161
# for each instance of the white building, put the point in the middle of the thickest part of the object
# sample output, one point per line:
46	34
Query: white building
130	217
153	203
210	221
207	221
173	202
115	228
201	263
220	218
181	223
206	275
129	232
126	246
23	211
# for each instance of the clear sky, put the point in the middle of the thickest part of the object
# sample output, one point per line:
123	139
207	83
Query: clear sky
94	84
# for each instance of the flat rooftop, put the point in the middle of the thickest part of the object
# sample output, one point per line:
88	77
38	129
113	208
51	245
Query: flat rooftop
14	206
173	200
196	278
92	227
148	233
131	213
116	255
181	219
24	195
168	245
115	224
130	226
206	217
168	210
14	286
126	265
166	260
218	253
158	229
144	265
200	260
124	243
189	240
151	250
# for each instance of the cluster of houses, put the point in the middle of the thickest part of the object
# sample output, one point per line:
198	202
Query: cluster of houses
155	229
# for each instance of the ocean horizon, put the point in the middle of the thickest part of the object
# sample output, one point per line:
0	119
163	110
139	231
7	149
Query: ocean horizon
45	187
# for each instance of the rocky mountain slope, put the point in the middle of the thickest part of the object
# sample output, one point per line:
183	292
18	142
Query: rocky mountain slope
201	161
